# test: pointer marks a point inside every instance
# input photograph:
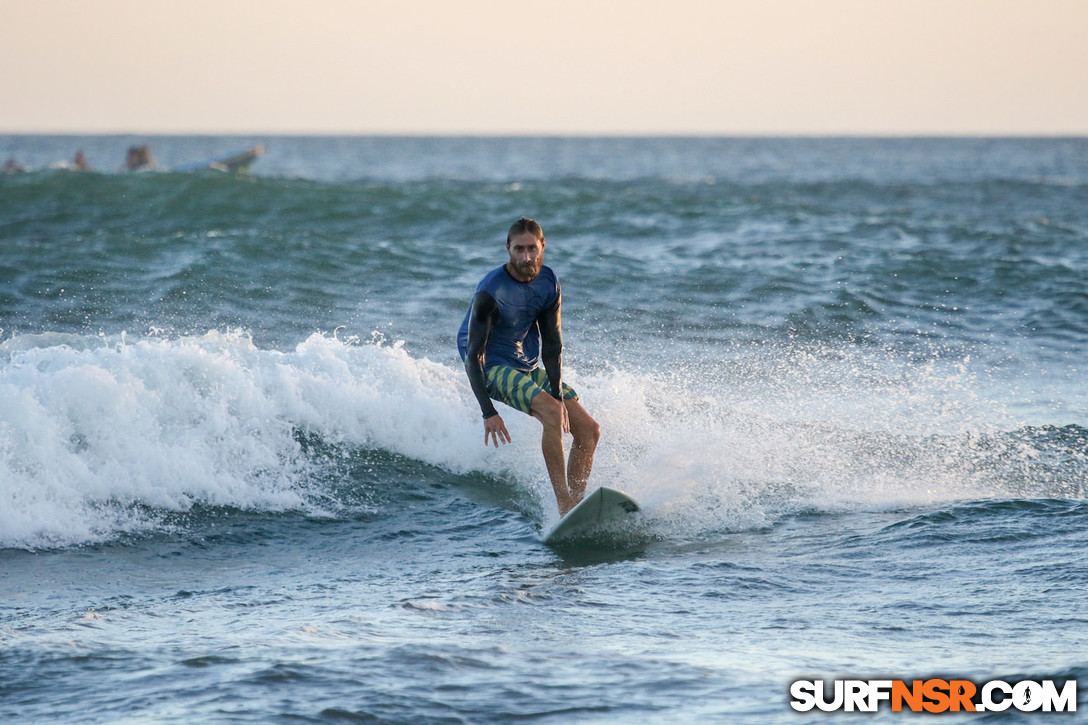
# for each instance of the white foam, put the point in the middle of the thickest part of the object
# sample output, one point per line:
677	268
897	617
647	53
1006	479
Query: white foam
102	435
707	451
93	430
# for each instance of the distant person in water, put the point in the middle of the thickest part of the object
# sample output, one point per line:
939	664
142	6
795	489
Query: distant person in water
513	324
79	163
139	158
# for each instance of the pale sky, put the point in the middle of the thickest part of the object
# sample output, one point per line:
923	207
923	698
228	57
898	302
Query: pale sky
720	67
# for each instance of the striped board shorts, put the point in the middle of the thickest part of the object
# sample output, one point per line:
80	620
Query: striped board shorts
517	389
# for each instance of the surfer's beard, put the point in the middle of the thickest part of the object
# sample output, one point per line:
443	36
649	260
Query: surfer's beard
529	270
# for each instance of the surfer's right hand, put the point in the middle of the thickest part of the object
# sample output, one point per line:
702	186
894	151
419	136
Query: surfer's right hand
495	429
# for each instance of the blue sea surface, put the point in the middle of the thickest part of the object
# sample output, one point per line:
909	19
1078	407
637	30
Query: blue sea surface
243	478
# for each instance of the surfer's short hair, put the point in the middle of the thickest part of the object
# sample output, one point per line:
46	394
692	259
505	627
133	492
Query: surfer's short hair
523	226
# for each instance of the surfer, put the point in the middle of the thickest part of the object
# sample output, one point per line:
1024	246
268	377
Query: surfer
513	325
138	158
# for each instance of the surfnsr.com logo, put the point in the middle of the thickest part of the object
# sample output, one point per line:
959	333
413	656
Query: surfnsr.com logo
934	695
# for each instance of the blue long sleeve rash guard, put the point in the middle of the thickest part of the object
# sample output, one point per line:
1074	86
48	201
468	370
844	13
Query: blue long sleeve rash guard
506	325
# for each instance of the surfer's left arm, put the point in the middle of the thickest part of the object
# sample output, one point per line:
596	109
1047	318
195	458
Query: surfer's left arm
551	351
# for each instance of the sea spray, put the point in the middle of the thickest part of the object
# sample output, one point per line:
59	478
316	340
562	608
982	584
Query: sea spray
102	435
782	429
95	430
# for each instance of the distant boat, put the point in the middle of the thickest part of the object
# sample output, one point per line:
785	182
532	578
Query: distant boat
237	164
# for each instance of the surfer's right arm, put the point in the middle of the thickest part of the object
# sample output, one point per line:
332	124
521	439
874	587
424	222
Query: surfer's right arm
481	320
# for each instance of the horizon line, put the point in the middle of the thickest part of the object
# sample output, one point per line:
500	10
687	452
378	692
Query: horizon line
559	134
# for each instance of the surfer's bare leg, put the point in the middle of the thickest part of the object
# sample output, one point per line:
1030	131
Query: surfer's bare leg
552	415
586	433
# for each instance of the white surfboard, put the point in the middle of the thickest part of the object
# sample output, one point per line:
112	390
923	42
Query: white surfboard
599	509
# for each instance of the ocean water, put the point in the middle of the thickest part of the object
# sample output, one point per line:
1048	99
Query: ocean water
242	476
